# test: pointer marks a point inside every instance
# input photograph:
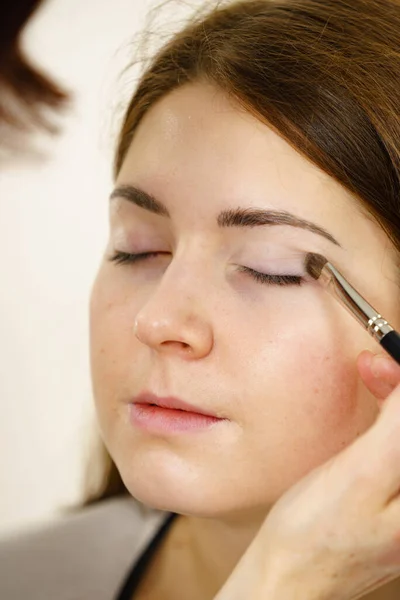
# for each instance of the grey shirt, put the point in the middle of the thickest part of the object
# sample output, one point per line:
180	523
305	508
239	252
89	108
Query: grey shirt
83	556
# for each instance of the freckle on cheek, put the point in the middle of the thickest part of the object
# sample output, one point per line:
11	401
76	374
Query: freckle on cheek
345	404
334	390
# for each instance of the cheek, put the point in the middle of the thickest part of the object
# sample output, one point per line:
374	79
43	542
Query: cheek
110	341
324	361
328	380
312	385
306	392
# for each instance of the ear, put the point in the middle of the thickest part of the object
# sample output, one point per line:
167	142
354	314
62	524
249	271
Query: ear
379	373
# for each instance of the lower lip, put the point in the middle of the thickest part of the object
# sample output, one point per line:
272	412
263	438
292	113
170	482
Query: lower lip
157	419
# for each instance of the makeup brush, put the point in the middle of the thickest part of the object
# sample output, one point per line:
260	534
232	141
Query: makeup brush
318	267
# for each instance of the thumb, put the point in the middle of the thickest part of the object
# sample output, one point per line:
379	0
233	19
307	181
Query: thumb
379	372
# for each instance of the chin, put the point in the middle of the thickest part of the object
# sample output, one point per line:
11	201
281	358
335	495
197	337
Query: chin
173	494
170	495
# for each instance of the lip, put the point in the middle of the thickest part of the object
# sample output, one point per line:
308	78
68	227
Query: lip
169	415
170	402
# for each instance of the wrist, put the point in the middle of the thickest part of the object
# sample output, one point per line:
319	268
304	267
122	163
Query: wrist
291	591
295	584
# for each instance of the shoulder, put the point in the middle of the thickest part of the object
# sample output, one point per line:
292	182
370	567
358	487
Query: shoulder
84	555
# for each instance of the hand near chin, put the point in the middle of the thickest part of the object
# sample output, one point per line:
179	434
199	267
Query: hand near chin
335	535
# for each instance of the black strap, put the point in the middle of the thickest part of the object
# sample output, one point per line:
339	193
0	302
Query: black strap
135	575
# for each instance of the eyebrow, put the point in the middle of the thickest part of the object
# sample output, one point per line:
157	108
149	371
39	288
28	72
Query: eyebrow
239	217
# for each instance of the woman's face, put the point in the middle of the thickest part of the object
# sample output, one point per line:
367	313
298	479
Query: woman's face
276	359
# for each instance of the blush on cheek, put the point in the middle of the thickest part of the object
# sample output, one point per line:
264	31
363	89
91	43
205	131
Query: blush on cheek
334	404
337	382
324	414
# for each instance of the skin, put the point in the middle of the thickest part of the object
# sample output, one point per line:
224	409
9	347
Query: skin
335	534
278	363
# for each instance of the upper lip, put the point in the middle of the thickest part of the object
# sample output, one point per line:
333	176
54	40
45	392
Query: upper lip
170	402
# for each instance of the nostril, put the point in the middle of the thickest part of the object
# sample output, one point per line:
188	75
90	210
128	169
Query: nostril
176	344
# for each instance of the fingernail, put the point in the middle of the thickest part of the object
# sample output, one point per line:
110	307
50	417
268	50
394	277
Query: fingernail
379	364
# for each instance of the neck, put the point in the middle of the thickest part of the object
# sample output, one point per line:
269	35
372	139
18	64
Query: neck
214	546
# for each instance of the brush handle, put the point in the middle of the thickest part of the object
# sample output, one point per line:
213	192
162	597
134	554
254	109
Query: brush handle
391	343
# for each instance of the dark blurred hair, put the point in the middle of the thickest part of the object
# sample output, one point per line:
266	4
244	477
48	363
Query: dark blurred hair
28	97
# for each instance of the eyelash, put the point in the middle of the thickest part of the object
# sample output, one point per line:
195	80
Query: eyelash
122	258
273	279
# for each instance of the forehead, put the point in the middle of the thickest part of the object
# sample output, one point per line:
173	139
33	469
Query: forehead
198	141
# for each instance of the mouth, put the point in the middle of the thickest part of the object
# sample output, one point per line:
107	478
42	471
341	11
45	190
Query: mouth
170	403
169	414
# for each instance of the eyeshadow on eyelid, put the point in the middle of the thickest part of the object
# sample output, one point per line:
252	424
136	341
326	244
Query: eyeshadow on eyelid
279	262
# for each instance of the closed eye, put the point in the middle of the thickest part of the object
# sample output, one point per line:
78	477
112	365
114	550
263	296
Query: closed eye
121	258
265	278
270	279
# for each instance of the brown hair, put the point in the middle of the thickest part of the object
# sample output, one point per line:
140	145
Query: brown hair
324	74
28	97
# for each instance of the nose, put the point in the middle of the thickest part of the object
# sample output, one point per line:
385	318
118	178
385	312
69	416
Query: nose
174	321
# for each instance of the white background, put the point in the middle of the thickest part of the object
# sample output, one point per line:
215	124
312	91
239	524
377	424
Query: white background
53	227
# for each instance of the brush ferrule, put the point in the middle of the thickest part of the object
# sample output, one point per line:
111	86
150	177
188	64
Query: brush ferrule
378	327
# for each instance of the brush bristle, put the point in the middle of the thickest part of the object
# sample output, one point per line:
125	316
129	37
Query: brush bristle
314	264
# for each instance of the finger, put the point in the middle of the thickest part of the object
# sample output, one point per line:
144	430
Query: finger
376	454
383	451
380	373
